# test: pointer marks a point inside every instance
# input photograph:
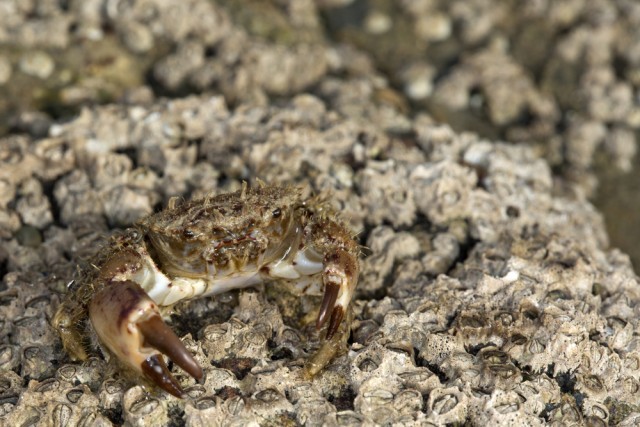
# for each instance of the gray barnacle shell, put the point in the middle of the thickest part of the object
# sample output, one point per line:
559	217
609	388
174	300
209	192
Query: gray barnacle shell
447	405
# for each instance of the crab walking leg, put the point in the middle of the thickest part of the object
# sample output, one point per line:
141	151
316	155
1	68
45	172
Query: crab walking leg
67	319
128	323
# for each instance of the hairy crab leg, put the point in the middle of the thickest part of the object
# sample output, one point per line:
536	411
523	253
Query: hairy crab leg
129	324
67	321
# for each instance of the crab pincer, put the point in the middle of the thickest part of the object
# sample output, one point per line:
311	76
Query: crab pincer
340	275
129	324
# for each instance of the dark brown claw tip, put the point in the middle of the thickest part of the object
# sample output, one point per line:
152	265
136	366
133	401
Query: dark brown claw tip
156	370
159	336
328	301
334	323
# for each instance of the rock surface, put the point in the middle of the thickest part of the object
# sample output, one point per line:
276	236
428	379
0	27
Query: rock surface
488	294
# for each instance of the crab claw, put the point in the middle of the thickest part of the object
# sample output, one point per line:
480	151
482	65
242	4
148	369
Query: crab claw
128	323
340	275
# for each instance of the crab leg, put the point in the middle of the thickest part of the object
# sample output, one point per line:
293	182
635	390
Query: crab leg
129	324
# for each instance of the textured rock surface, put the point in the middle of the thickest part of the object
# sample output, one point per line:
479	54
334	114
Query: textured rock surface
563	76
488	294
557	74
484	297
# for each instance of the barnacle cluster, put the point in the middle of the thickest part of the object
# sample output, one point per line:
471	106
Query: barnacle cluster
488	292
492	300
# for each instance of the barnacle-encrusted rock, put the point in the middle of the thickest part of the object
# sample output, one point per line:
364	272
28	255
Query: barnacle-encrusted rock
488	292
483	296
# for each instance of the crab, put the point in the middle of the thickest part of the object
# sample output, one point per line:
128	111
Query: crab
206	247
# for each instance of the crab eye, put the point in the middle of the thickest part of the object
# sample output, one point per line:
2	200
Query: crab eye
276	212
